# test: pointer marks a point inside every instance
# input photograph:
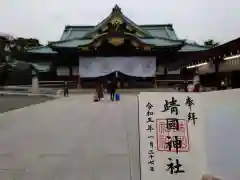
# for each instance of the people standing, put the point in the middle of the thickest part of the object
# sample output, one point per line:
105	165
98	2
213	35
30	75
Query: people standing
65	89
101	91
98	89
112	89
195	86
223	85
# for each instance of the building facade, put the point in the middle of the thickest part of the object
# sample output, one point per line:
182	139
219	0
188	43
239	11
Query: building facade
117	47
221	63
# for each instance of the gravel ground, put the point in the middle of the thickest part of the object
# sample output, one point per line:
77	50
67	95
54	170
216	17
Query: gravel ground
10	102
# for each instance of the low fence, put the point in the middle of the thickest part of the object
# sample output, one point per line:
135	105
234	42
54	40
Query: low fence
57	84
27	90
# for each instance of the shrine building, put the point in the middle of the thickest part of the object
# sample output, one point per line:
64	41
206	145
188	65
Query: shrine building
116	48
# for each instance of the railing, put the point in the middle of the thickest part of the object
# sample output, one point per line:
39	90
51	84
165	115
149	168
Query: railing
27	90
57	84
168	83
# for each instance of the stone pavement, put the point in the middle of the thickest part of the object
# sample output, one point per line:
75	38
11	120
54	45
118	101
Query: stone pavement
71	139
10	102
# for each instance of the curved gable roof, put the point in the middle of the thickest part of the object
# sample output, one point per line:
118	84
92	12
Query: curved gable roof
159	30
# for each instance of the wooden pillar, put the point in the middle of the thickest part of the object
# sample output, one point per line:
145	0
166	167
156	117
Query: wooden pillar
165	71
70	71
216	63
155	85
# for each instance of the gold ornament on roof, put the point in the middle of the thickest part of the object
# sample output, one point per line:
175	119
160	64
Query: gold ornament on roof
116	41
117	19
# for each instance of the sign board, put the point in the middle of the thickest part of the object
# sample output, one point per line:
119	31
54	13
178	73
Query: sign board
172	145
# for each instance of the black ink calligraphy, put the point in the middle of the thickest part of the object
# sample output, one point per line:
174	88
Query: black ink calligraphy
172	106
192	117
150	128
174	168
150	120
174	142
189	102
149	106
172	123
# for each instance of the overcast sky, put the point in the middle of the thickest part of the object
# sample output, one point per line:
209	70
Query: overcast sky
196	20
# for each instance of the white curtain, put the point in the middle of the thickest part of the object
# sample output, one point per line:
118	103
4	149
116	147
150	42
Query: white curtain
132	66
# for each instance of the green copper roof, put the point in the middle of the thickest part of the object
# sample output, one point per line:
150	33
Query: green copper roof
41	50
21	65
161	31
188	47
41	67
116	12
73	43
71	32
160	42
157	35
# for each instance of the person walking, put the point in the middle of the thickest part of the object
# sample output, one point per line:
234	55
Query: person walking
65	89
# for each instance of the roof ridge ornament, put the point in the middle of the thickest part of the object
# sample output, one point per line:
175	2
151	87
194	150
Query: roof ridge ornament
116	8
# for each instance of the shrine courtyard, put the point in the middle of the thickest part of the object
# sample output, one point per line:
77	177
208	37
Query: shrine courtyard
70	138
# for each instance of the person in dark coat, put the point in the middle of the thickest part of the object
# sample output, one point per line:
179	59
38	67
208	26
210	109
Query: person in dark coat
97	88
101	91
65	89
112	89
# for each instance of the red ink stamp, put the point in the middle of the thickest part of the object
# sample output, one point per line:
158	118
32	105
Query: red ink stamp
172	135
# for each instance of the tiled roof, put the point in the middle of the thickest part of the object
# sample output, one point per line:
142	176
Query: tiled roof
41	50
73	43
41	67
188	47
160	42
71	32
161	30
161	35
164	42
